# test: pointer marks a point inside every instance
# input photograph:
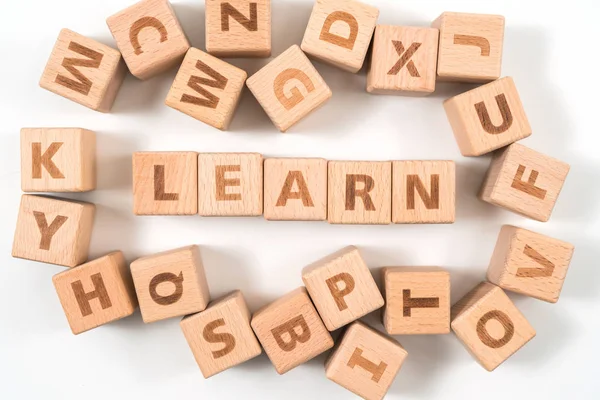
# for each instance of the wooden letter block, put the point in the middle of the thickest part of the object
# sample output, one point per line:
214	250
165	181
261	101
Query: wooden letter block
365	362
423	192
170	284
291	331
470	47
359	192
238	28
489	325
207	89
295	189
84	71
165	183
53	231
487	118
221	336
403	61
417	301
289	88
339	32
58	160
342	288
530	263
524	181
149	36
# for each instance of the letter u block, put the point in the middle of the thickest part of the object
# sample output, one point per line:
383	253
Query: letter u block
84	71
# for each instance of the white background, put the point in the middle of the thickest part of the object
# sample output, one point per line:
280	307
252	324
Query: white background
549	50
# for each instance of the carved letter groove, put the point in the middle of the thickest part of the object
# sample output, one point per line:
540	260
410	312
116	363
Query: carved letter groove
405	59
431	201
484	336
159	186
176	280
486	121
337	293
302	193
48	231
295	95
290	328
352	193
222	182
83	298
82	85
226	338
146	22
529	186
477	41
408	303
547	270
327	36
376	369
227	10
210	100
45	160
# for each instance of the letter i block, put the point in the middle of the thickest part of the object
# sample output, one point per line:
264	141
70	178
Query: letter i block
524	181
53	231
84	71
340	32
221	337
207	89
342	288
291	331
58	160
289	88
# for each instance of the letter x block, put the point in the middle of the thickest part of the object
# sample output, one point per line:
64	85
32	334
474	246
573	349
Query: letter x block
291	331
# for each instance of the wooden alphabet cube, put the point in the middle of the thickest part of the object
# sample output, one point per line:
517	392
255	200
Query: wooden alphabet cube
417	300
207	89
530	263
53	231
487	118
295	189
359	192
291	331
365	362
58	160
165	183
149	37
524	181
403	61
423	192
342	288
489	325
339	32
470	47
221	337
170	284
84	71
238	28
289	88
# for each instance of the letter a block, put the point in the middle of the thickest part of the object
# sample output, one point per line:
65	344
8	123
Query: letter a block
53	231
58	160
170	284
524	181
489	325
530	263
291	331
289	88
221	337
84	71
207	89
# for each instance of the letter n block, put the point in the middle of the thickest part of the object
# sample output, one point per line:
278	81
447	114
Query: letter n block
53	231
291	331
96	293
489	325
524	181
84	71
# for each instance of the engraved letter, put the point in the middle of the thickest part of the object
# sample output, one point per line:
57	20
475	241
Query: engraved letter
408	303
295	95
227	10
536	272
338	295
484	336
83	298
431	201
302	193
210	100
529	186
477	41
486	122
290	328
341	41
176	280
405	59
45	160
82	85
145	22
226	338
352	193
159	185
48	231
376	369
222	183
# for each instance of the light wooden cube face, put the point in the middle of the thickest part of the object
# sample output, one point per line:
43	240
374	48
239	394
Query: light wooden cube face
295	189
365	362
207	89
339	32
403	60
360	192
96	293
149	37
289	88
417	300
530	263
238	28
220	337
291	331
58	160
84	71
342	288
423	192
487	118
53	231
524	181
490	326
